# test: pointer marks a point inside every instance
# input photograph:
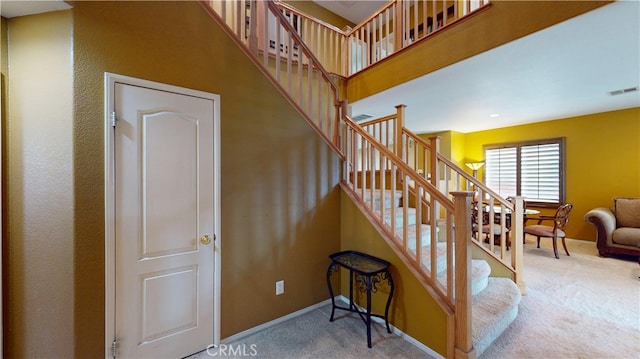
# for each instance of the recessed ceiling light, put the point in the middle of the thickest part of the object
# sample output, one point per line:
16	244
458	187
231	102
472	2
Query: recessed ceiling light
494	115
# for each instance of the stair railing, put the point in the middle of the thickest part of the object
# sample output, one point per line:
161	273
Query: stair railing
426	159
503	242
395	26
327	42
370	170
269	38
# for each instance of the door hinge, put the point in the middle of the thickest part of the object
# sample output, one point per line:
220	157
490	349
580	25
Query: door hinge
113	119
114	348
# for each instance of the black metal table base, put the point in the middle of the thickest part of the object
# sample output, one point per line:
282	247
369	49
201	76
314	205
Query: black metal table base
368	272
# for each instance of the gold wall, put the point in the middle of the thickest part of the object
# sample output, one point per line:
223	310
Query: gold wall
4	69
38	178
280	200
602	158
413	310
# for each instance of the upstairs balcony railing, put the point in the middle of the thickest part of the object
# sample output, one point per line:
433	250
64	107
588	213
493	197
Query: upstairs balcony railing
395	26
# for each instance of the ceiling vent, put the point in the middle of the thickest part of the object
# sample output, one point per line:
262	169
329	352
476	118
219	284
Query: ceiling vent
362	117
623	91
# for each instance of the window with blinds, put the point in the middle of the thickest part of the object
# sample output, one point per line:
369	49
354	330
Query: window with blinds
534	170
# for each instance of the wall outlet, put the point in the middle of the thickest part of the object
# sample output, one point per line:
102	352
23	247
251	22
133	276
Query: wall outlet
280	287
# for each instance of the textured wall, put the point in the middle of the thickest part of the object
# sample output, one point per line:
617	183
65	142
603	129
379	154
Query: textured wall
280	202
413	310
4	69
39	188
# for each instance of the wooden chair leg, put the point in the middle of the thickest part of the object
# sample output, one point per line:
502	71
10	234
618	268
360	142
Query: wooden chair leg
538	242
555	247
565	247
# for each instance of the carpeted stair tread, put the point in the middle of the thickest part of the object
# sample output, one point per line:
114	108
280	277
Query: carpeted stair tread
480	271
399	214
425	234
441	257
493	311
391	198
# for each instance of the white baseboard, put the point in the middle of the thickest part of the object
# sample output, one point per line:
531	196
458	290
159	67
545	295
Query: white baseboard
302	311
399	332
271	323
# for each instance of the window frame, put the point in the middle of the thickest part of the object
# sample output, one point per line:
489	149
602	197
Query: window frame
560	141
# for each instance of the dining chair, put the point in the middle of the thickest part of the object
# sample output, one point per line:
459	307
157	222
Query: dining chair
560	220
482	213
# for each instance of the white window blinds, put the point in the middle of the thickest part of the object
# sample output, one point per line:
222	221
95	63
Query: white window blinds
501	170
540	172
533	170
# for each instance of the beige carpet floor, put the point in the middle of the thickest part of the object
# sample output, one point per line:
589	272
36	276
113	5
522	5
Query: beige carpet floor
312	336
581	306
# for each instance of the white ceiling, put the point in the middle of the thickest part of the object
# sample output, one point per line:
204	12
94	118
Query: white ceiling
13	8
562	71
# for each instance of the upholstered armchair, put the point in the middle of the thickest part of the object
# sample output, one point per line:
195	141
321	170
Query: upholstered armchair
618	228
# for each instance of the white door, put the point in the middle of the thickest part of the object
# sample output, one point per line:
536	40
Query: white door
165	210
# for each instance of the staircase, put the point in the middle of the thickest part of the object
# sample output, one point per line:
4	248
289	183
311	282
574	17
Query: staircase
494	300
410	193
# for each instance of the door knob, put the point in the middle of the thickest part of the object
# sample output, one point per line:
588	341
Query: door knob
205	239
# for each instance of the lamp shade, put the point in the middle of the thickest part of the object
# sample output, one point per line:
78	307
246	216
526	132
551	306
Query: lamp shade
474	165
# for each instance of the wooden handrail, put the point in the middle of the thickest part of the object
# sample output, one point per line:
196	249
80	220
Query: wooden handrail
378	120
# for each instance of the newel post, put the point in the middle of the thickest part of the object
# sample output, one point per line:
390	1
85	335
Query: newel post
400	150
463	316
517	246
